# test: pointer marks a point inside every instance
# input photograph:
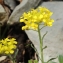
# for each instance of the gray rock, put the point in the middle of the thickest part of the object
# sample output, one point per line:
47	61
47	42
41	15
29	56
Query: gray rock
54	38
25	6
11	3
2	58
1	9
3	15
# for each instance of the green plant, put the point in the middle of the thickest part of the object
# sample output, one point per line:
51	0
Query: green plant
33	19
60	58
7	47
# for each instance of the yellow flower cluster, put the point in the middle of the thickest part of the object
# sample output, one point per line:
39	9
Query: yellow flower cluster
7	46
36	16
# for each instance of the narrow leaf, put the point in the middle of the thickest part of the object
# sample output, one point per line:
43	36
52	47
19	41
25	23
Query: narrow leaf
60	58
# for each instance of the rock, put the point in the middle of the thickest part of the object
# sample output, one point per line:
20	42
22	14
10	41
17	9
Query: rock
25	6
3	15
54	38
2	58
11	3
1	9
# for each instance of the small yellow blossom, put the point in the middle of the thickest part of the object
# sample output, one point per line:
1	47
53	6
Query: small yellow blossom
36	16
9	51
7	46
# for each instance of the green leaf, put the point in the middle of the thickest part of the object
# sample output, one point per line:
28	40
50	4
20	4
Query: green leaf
29	61
32	61
16	53
60	58
45	62
51	62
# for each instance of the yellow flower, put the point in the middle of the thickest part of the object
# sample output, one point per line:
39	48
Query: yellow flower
33	26
36	16
9	52
7	46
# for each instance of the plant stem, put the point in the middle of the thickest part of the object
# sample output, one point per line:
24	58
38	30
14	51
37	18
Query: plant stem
14	61
41	45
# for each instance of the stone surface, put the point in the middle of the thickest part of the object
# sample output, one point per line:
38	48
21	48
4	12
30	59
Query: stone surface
54	38
25	6
3	15
1	9
11	3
